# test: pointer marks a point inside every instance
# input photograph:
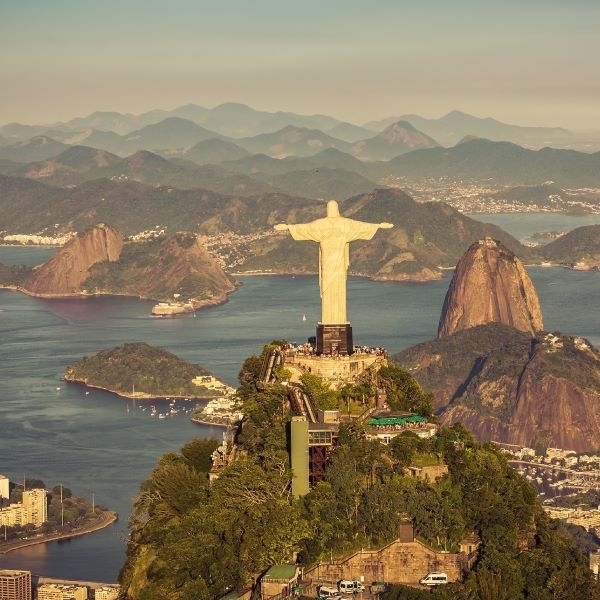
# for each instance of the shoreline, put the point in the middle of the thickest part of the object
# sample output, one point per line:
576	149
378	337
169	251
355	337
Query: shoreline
139	395
104	519
219	423
197	304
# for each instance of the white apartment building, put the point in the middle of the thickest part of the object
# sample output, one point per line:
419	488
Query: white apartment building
33	509
4	487
11	515
106	592
35	504
58	591
15	585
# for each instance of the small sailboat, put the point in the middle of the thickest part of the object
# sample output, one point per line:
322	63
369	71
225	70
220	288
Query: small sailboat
304	317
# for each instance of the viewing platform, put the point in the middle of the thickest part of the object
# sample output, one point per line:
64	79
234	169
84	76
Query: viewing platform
337	370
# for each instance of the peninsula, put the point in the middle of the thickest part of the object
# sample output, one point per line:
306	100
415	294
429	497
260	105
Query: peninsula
100	261
30	514
103	519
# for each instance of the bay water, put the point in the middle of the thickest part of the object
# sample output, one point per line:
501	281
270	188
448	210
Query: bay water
102	446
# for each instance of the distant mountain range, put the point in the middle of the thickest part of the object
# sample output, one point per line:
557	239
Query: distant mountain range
456	125
183	170
319	170
238	121
195	148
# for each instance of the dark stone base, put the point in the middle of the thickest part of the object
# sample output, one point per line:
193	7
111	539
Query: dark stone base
334	340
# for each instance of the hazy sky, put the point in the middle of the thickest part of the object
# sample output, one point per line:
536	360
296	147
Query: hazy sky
527	62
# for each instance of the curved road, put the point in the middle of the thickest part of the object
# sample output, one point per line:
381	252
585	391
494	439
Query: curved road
104	519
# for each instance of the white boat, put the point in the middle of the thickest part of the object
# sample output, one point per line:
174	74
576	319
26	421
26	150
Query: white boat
172	308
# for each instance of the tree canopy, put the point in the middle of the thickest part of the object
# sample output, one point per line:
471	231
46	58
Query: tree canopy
190	539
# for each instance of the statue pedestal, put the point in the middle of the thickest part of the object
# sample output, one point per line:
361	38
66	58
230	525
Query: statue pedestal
334	340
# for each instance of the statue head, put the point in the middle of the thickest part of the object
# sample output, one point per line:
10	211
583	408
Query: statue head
333	209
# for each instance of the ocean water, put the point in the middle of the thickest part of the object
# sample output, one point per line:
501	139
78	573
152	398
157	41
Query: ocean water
102	445
523	225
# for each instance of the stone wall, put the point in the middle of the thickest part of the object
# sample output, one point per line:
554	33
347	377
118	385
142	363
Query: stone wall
398	562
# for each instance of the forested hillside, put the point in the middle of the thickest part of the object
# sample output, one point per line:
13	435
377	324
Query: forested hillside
191	540
139	369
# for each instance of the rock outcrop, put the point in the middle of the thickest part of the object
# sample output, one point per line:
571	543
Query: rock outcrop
506	386
493	368
490	285
65	272
176	270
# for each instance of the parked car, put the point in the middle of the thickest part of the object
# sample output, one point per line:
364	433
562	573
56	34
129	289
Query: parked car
348	586
434	578
328	593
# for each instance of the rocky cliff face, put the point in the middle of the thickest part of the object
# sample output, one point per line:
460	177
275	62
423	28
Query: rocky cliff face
98	262
65	272
490	285
506	386
494	370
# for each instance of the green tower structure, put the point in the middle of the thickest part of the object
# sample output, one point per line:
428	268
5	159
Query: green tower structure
299	458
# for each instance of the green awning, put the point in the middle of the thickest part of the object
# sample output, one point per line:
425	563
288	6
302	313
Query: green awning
396	420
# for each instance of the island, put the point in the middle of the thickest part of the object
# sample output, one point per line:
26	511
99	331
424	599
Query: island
144	372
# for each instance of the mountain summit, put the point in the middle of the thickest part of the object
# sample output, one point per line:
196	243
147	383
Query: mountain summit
492	367
64	273
490	285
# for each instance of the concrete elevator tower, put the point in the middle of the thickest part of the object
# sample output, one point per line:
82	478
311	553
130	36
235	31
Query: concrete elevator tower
299	458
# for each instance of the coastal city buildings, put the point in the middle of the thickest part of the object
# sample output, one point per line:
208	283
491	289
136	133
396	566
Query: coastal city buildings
4	487
35	506
57	591
106	592
15	585
32	510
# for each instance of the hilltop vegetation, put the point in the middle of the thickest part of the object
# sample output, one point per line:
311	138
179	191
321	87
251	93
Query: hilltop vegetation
580	245
425	237
138	367
509	386
192	540
160	267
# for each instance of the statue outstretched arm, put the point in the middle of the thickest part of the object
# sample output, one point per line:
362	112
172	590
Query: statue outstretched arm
281	227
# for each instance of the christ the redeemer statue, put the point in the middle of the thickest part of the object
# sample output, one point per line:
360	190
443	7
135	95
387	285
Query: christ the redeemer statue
333	233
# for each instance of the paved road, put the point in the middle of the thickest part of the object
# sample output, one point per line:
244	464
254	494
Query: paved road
105	518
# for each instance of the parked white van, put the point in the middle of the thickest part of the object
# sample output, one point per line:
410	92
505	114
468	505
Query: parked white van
434	579
347	586
329	593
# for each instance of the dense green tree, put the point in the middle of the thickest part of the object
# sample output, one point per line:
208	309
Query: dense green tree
198	453
265	415
320	508
381	511
192	540
404	392
403	447
61	492
318	390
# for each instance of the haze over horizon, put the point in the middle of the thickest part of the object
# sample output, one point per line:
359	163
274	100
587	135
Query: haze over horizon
529	64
